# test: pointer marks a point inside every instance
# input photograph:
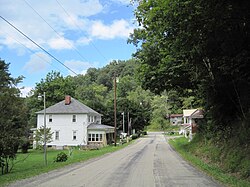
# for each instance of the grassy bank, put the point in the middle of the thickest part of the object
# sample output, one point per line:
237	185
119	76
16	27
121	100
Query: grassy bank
32	163
214	160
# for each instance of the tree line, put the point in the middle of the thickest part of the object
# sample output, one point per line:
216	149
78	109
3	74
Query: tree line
200	49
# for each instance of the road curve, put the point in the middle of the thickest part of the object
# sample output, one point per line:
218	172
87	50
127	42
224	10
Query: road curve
149	162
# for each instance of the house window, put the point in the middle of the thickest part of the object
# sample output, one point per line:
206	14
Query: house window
89	118
74	135
74	118
95	119
50	118
95	137
57	135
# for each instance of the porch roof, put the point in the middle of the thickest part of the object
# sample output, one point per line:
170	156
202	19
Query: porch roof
95	126
193	113
176	115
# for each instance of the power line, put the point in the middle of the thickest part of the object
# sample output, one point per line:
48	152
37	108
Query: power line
81	30
77	51
37	45
32	51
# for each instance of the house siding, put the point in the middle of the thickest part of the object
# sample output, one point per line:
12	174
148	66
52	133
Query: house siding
65	126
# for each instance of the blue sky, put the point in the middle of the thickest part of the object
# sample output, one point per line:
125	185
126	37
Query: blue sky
79	33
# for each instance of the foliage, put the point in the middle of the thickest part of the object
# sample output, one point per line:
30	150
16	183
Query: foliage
93	95
61	157
201	46
222	161
13	118
134	136
25	145
39	136
160	112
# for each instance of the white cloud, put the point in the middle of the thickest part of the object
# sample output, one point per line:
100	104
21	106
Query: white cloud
125	2
83	41
60	43
38	62
119	28
25	91
20	14
77	66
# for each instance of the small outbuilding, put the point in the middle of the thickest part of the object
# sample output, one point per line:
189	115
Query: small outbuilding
176	119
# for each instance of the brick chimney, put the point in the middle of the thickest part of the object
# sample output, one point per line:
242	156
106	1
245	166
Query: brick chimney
67	100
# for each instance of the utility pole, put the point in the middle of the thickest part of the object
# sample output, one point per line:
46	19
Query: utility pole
128	125
115	108
45	138
123	125
44	126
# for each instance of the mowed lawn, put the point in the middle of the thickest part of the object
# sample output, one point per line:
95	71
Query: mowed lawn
32	163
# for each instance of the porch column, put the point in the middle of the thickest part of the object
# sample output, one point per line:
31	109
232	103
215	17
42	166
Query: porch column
191	129
104	139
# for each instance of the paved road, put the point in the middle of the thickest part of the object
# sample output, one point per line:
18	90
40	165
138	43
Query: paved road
150	162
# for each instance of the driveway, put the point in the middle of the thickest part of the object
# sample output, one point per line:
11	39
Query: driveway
149	162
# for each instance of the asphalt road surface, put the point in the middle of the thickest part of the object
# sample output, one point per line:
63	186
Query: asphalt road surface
149	162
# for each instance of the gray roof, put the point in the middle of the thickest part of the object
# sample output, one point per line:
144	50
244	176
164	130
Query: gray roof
99	126
75	107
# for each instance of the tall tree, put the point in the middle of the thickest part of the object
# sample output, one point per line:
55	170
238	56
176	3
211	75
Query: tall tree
201	46
93	95
13	121
56	87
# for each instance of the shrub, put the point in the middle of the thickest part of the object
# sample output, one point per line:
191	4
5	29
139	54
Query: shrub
245	164
25	146
134	136
233	160
61	157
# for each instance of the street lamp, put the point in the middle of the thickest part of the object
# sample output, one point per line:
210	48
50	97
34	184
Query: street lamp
44	125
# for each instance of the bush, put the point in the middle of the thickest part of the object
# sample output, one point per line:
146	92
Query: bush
61	157
245	163
134	136
24	147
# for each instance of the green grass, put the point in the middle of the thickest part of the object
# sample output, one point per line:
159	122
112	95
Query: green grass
32	163
184	148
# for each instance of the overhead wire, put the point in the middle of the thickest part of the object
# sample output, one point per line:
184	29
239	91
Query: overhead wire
37	45
80	29
76	50
45	60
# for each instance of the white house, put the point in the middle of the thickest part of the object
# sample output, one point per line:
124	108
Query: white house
189	126
74	124
176	119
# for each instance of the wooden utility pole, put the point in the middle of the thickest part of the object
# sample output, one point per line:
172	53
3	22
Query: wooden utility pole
44	128
128	125
115	108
